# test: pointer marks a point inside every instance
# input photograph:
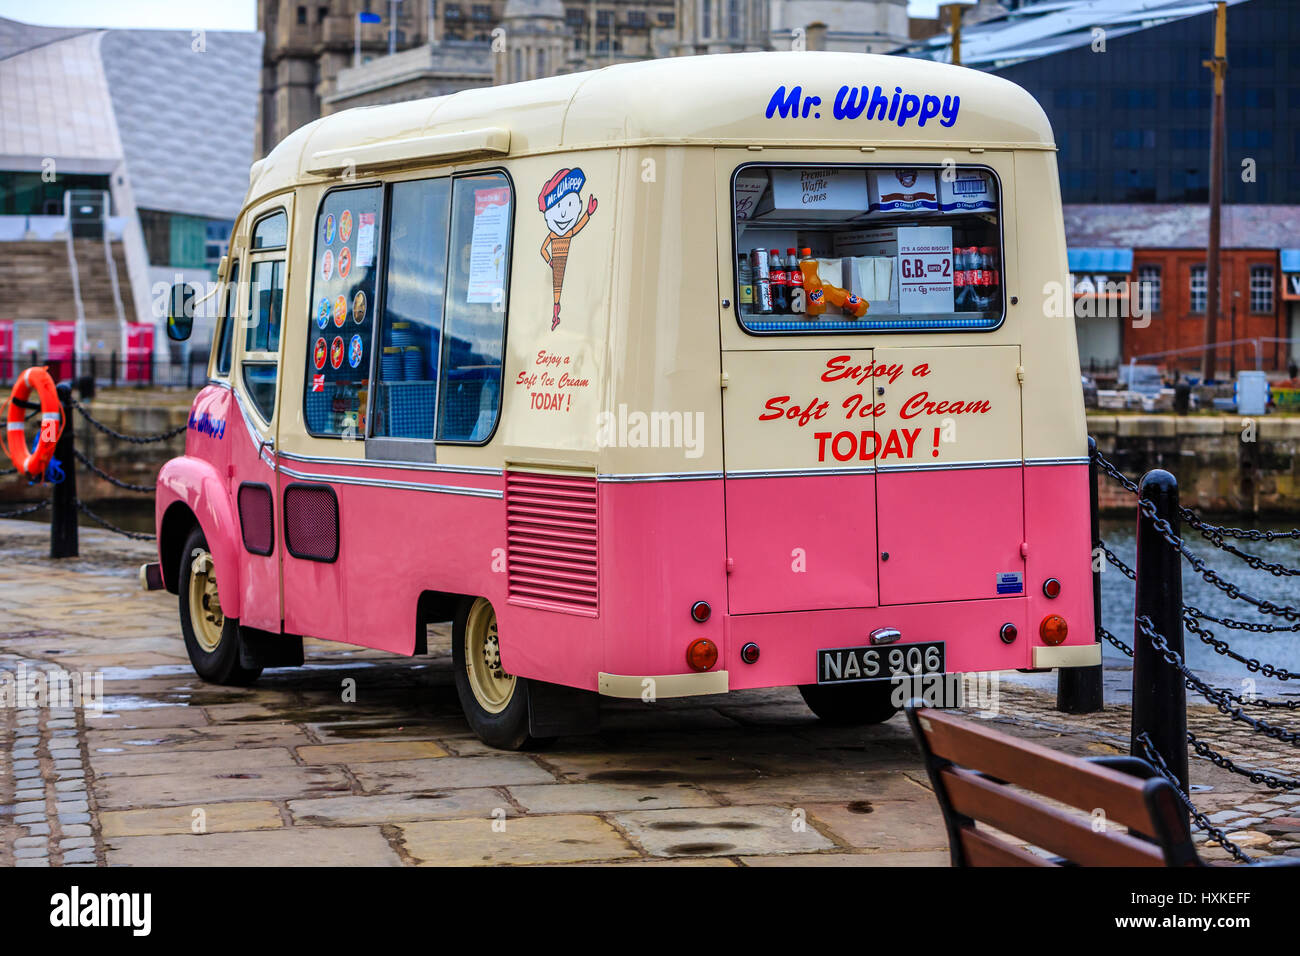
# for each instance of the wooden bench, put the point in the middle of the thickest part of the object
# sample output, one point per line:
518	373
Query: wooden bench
971	765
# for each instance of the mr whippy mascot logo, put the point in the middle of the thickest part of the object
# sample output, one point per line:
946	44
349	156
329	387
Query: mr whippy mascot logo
560	202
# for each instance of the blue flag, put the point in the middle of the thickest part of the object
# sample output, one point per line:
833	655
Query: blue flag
369	17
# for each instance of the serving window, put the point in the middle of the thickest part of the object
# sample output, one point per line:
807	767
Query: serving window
867	248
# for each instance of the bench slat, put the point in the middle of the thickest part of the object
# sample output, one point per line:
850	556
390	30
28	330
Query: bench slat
1068	779
1042	825
984	850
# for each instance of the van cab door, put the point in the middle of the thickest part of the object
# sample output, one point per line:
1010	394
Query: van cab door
255	381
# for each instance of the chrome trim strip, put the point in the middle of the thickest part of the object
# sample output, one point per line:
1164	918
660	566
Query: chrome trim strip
798	472
951	465
386	463
399	485
664	476
1058	461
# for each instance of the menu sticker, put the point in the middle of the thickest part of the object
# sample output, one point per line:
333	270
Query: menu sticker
487	254
365	239
925	269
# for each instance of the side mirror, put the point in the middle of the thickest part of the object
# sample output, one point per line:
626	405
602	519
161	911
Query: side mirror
180	311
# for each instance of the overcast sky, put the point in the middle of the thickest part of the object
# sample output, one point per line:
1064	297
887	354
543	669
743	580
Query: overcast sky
184	14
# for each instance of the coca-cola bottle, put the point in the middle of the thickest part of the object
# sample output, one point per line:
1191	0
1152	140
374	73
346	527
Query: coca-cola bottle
780	283
960	281
794	278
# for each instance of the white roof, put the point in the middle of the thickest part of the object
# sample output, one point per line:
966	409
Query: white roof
181	119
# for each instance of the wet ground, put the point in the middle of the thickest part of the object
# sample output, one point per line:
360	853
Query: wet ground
362	758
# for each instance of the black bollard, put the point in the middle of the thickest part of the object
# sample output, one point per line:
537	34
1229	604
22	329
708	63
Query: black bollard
1079	689
63	513
1159	695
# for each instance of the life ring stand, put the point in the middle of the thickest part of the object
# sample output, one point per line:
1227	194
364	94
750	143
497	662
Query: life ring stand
33	464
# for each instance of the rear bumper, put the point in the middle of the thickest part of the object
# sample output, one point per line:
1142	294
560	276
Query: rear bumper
1066	655
664	685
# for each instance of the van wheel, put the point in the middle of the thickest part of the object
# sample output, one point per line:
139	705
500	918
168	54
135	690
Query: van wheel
849	705
211	638
495	703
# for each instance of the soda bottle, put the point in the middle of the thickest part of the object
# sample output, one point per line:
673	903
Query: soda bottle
795	279
745	279
762	281
993	276
960	288
814	294
780	283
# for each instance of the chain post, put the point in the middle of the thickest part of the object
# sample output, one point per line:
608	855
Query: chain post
63	514
1159	694
1079	689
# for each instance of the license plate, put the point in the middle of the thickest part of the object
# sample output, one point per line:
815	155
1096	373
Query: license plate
844	665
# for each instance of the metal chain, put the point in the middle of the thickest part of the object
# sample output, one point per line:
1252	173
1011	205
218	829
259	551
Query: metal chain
104	522
133	439
117	482
1259	564
1252	664
1221	699
1254	776
1156	760
26	511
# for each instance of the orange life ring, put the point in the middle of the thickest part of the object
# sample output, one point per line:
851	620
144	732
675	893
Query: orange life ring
32	464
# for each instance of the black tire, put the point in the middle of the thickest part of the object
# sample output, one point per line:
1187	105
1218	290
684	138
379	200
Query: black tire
851	705
506	729
219	665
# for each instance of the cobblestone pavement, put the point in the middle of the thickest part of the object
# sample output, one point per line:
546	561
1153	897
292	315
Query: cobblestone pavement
288	772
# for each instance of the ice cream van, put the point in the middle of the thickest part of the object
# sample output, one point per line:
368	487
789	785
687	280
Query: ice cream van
673	378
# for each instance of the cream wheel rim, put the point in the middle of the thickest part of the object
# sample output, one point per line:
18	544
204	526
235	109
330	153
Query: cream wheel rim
492	686
206	616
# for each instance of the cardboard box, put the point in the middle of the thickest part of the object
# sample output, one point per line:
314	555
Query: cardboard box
750	187
867	242
902	191
815	193
872	277
971	191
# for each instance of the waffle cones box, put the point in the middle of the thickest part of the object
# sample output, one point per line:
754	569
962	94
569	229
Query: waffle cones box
901	191
815	193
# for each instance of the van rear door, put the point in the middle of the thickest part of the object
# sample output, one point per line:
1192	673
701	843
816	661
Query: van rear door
800	482
950	508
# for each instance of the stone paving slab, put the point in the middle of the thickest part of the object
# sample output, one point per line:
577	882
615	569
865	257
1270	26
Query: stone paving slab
722	831
563	838
343	846
212	818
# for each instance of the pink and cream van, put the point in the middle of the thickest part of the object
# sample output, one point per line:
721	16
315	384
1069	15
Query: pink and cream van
672	378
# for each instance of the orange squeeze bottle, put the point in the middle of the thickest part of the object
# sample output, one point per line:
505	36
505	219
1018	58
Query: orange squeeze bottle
814	296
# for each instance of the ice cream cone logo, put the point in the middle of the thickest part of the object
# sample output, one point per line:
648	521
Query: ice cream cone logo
560	203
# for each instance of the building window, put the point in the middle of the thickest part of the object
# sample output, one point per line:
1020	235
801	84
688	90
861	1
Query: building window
481	12
1149	287
452	12
302	16
1197	289
667	19
1261	289
604	17
706	18
322	13
1134	139
733	19
574	17
636	19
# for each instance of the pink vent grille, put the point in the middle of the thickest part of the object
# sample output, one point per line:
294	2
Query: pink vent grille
551	535
256	521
